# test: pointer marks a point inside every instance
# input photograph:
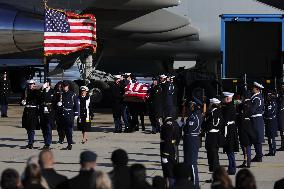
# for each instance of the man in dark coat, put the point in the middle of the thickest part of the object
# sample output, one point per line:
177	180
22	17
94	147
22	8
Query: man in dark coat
120	175
271	123
47	113
46	162
86	178
182	175
279	184
5	89
257	110
30	119
138	177
230	131
281	117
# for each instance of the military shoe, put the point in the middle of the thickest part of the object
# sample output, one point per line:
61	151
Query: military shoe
69	147
30	146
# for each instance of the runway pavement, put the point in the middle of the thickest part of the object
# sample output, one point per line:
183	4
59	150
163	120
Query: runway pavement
142	147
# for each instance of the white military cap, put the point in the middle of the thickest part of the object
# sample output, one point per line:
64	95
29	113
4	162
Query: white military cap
228	94
84	88
256	84
31	81
127	74
163	76
172	77
215	101
117	76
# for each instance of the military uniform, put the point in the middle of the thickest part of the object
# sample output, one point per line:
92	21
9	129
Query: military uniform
154	102
191	141
69	110
169	139
86	112
170	100
47	115
117	106
281	120
5	88
58	113
271	124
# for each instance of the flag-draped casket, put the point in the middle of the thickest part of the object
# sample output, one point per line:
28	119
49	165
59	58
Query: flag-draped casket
136	92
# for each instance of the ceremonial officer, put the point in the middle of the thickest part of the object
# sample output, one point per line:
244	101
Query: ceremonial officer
271	123
5	88
257	110
191	139
169	139
70	111
230	131
163	103
213	125
58	112
154	101
30	119
47	113
281	117
170	97
86	113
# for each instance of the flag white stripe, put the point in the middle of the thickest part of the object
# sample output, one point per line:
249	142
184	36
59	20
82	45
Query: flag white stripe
68	34
81	20
69	41
83	28
60	48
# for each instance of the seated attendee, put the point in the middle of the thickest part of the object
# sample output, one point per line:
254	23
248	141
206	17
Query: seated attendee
33	179
138	177
120	174
182	175
86	178
46	161
245	180
102	180
10	179
221	179
159	182
279	184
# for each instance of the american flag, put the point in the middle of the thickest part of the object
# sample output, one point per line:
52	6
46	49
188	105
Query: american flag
136	92
67	32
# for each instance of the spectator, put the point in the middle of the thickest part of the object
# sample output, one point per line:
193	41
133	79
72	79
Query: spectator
86	178
46	162
245	180
159	182
182	174
279	184
102	180
10	179
138	177
33	179
221	180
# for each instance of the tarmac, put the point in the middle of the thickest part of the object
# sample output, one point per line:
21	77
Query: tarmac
142	147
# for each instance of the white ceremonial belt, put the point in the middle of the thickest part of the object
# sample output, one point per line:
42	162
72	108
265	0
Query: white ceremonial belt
214	131
67	109
257	115
30	106
247	118
230	122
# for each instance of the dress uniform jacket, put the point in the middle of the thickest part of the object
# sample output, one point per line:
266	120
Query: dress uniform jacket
246	133
213	126
117	100
70	106
271	119
5	88
86	112
155	100
170	101
230	130
281	113
257	109
30	119
47	107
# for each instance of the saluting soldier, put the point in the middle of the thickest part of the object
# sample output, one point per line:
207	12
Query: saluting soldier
164	95
47	113
257	110
70	111
191	139
271	123
170	97
213	125
281	118
5	88
58	112
84	121
230	131
30	119
170	137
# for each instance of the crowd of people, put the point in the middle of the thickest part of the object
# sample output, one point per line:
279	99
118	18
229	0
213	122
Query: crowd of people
40	173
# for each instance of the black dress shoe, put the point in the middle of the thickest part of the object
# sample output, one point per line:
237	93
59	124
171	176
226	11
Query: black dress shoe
5	115
269	154
46	147
244	165
60	142
69	147
30	146
255	159
280	149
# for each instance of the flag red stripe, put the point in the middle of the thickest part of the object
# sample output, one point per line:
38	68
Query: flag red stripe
70	37
64	44
82	24
82	31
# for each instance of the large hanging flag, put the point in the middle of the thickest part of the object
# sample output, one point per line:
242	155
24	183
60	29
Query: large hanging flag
67	32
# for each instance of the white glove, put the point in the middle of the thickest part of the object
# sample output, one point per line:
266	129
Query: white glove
44	85
59	103
164	160
76	117
24	102
45	110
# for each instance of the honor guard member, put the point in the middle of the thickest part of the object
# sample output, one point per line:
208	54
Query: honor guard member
271	123
30	119
170	97
86	112
169	140
246	133
47	113
154	101
58	112
191	139
257	110
70	111
230	131
281	118
163	103
213	125
5	88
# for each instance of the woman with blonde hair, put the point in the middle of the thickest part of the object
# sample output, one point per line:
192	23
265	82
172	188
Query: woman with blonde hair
102	180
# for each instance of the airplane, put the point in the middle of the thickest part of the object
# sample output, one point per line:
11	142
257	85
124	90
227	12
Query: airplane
144	36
